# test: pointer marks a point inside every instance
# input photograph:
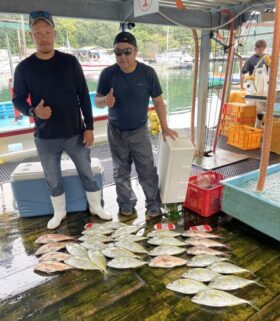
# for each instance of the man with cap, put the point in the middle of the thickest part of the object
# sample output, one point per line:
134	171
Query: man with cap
125	88
58	93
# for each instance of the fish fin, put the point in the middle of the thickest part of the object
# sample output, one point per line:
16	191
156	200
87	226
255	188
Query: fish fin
252	305
258	283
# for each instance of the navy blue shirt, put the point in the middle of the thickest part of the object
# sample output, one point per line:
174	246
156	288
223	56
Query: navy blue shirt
132	92
60	82
251	63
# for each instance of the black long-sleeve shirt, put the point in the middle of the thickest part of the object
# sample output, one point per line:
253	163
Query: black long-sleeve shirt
60	82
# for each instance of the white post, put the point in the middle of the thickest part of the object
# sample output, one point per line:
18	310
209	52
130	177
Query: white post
202	92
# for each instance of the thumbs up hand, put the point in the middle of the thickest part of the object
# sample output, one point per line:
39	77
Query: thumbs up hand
41	111
110	99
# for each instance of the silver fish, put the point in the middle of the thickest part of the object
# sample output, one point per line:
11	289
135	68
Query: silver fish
99	231
114	225
95	238
200	274
166	240
125	230
98	259
208	235
167	261
166	250
156	233
186	286
131	246
76	250
130	238
217	298
51	267
51	238
226	268
195	250
230	282
81	263
203	260
54	256
95	246
196	241
114	252
125	263
51	247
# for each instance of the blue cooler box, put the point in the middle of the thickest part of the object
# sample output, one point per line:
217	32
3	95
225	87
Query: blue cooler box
31	196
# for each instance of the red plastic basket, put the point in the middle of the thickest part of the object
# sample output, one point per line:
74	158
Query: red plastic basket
204	200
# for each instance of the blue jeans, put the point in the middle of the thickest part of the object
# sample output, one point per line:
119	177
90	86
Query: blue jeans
50	151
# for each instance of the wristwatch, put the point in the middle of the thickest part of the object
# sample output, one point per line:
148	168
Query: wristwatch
31	112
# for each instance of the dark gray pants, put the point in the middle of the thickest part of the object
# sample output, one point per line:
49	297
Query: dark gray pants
133	146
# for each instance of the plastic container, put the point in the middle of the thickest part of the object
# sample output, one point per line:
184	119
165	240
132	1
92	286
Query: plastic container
245	137
239	110
31	196
174	167
204	193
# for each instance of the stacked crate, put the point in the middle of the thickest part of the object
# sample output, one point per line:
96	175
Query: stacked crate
275	142
236	113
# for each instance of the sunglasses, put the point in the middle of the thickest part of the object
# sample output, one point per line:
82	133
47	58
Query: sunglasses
126	51
39	14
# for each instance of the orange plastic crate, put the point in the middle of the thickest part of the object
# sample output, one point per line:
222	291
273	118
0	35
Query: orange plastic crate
204	200
239	110
245	137
239	120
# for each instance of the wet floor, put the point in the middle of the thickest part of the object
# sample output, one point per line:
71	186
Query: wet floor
130	294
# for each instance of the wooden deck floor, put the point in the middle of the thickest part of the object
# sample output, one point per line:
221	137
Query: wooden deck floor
124	295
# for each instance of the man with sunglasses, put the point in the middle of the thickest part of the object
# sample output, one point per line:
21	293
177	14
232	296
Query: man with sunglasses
125	88
58	92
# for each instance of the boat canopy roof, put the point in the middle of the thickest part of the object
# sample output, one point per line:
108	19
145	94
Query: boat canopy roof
198	13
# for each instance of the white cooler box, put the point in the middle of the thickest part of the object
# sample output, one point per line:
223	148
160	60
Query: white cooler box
31	196
174	168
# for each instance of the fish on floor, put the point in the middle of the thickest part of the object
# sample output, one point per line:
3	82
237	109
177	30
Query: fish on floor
167	250
166	240
195	250
208	235
54	256
125	263
226	268
186	286
76	250
131	246
196	241
52	238
98	259
203	260
114	252
200	274
217	298
51	267
81	263
51	247
231	282
167	261
157	233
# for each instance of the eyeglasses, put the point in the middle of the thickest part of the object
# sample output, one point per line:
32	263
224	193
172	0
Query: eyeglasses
40	14
125	51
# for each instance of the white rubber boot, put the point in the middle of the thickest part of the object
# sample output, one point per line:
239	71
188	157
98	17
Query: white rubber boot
58	203
95	208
